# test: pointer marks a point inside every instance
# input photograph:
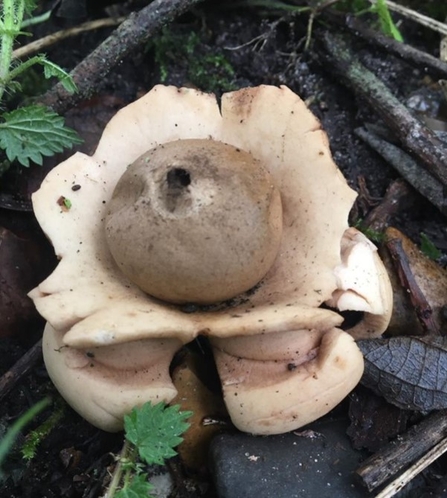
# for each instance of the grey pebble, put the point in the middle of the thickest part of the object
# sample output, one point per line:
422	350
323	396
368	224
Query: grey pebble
317	461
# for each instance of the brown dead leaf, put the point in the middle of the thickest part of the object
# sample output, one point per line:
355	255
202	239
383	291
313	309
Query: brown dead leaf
429	277
206	406
409	372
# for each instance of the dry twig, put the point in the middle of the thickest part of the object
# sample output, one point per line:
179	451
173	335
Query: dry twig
406	449
20	369
397	197
422	181
413	134
134	31
46	41
419	59
399	483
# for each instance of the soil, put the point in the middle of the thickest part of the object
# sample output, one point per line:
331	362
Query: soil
237	47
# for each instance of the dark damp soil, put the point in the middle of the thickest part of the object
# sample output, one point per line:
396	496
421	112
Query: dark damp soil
214	49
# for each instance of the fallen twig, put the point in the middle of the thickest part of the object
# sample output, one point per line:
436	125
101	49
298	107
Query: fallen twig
418	58
422	181
46	41
415	16
397	197
135	30
413	134
21	368
399	483
420	439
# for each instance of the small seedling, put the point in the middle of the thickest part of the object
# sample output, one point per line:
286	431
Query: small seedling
152	432
207	69
8	439
31	132
386	22
34	438
374	235
428	248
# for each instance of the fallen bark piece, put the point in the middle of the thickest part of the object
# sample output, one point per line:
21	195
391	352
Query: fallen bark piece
409	372
413	134
374	421
400	453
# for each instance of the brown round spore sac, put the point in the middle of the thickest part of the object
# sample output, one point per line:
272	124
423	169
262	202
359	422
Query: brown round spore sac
195	220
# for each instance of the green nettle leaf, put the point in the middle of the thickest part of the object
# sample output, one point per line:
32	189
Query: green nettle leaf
50	70
137	488
29	133
155	430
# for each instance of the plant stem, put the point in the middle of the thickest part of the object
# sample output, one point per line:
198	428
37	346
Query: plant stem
9	438
12	16
118	473
37	59
37	19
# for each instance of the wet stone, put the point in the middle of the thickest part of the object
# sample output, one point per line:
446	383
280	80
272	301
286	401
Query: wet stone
315	461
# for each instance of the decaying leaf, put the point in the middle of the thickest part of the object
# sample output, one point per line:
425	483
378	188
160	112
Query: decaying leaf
409	372
429	278
209	412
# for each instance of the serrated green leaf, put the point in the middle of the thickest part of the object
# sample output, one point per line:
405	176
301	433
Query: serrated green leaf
138	487
31	132
155	430
50	69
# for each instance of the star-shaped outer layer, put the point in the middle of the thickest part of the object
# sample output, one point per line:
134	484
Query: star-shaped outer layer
107	322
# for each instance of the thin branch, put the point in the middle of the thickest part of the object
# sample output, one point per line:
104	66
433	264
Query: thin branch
426	21
406	449
393	488
21	368
413	134
58	36
397	196
90	74
417	58
410	169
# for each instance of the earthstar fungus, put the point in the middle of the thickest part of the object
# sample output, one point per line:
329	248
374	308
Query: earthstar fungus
240	201
213	214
